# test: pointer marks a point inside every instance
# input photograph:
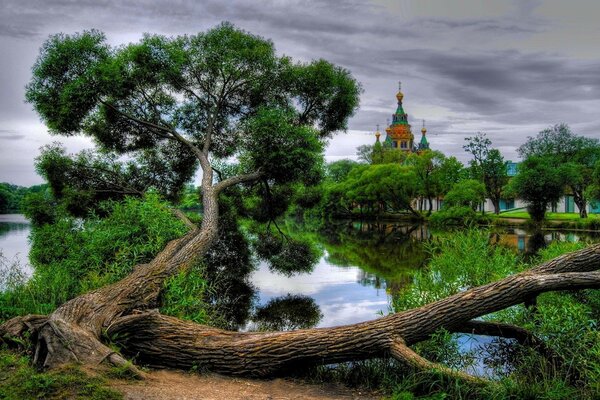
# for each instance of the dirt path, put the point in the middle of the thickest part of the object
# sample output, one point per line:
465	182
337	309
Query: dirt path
181	386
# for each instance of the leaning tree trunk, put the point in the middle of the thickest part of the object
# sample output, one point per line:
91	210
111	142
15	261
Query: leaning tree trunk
75	331
580	201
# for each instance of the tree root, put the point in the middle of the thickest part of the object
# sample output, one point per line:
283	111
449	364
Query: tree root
408	357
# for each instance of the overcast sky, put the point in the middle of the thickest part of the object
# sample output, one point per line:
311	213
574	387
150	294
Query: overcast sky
507	68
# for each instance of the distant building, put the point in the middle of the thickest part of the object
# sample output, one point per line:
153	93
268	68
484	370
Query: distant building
398	133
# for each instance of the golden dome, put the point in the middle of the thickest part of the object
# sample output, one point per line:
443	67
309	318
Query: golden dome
399	96
423	130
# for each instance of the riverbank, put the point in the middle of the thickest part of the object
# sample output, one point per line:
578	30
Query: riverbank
571	221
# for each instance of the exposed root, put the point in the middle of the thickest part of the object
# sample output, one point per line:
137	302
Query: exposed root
405	355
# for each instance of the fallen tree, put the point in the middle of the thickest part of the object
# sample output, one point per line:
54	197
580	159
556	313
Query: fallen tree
76	331
130	100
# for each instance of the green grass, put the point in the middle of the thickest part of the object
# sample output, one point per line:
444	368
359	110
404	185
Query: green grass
20	381
551	216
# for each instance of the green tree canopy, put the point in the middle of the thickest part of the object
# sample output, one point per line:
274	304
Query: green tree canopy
539	183
163	106
467	193
574	156
488	166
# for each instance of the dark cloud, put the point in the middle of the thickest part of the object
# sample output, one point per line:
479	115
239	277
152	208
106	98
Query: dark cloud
509	74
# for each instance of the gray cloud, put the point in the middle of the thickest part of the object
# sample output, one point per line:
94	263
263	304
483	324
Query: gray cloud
8	134
510	69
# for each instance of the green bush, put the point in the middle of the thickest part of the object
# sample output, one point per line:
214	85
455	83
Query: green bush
72	256
458	215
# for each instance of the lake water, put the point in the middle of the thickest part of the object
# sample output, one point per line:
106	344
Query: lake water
14	242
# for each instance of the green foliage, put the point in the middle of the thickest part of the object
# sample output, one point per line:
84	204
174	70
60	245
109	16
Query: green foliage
567	322
72	256
427	168
280	149
184	294
460	261
372	189
158	101
460	205
539	183
573	156
337	171
20	381
468	193
451	171
6	199
488	166
458	216
40	208
12	196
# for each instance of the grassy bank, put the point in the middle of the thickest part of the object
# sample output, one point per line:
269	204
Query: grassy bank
20	381
552	220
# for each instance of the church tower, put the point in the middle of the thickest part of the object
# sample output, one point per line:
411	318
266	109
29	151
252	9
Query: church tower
398	133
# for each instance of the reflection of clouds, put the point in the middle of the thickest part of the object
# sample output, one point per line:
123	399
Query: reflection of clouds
336	290
324	275
347	313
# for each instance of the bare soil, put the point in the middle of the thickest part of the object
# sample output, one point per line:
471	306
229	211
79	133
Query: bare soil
186	386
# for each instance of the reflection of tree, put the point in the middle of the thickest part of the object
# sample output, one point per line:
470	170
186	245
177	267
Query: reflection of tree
7	227
227	269
287	313
536	242
385	252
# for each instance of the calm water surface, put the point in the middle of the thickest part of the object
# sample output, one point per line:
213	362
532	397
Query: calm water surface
14	243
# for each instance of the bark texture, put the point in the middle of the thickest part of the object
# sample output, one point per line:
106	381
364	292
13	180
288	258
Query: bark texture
125	310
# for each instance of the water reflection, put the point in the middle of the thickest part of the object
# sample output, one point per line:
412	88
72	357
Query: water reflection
362	266
14	242
287	313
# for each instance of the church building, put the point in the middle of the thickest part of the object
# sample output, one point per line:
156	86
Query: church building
398	133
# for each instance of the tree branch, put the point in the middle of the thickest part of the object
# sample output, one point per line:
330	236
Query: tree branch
181	215
139	121
238	179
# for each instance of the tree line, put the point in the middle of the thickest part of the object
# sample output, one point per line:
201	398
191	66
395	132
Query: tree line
555	162
12	196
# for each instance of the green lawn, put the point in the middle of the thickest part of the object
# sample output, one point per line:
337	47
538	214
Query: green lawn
549	216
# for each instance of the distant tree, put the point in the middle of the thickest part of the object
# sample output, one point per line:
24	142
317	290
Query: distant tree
337	171
539	183
450	172
488	166
427	166
574	156
365	153
5	199
467	193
